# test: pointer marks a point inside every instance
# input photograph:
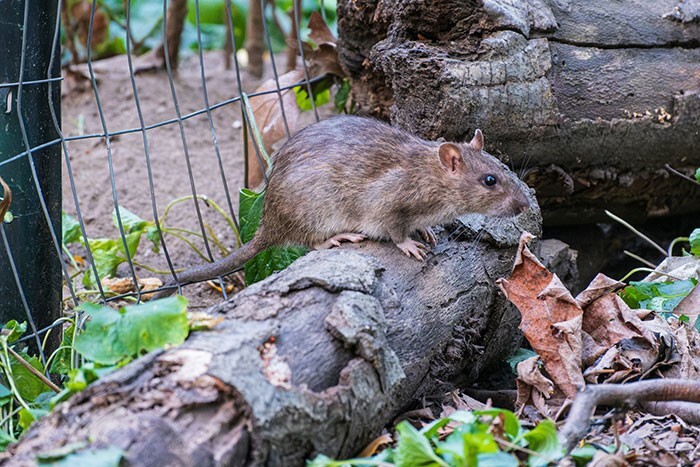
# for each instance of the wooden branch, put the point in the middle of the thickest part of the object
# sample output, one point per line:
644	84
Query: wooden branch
318	358
622	395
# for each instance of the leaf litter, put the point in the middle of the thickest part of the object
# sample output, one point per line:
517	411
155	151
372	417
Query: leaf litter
596	338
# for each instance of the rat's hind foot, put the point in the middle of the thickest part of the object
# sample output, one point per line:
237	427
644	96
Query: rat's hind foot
428	236
335	240
413	248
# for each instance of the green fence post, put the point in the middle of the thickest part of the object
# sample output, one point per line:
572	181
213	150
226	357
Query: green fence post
30	241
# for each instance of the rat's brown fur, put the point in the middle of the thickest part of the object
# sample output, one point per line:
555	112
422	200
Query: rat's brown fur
356	175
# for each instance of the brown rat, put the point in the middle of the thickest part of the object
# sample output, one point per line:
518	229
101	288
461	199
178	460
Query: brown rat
350	178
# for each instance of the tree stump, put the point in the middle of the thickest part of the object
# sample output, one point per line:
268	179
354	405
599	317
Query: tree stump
594	97
317	358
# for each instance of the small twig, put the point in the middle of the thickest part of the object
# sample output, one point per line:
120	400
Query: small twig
640	259
627	395
680	174
34	371
637	232
527	451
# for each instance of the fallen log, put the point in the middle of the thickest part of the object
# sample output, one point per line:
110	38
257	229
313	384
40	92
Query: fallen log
317	358
594	97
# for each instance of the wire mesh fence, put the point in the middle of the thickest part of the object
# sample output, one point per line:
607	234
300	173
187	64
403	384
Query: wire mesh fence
152	154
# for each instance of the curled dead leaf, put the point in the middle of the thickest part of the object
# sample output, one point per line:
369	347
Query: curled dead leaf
373	447
200	321
118	285
6	199
551	318
147	284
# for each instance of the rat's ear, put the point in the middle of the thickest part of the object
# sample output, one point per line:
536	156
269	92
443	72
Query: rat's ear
477	141
450	156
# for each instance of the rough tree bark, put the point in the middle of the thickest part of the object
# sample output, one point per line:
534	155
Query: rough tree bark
177	12
594	96
317	358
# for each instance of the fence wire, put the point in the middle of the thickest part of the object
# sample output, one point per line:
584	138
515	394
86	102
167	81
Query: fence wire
14	91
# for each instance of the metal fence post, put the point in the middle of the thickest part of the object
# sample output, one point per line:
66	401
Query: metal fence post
30	290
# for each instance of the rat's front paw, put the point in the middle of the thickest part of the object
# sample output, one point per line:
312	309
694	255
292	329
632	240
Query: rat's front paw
413	248
428	236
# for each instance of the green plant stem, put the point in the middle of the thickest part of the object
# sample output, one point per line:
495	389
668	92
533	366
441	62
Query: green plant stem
54	353
191	245
222	249
154	270
10	377
527	451
34	371
637	232
9	416
649	270
680	174
250	116
69	255
209	202
673	243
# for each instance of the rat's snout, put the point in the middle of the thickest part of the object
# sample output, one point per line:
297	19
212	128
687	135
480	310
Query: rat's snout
520	206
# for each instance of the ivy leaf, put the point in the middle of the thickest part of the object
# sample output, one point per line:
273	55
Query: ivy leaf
321	91
697	175
5	440
133	223
108	254
110	456
511	424
272	259
543	440
657	296
61	363
497	459
694	238
519	356
27	383
13	330
342	96
112	336
414	449
70	229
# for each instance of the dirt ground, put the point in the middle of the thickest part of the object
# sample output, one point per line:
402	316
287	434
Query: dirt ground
90	164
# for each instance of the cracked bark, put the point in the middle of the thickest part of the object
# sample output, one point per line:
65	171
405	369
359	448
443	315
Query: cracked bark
592	97
317	358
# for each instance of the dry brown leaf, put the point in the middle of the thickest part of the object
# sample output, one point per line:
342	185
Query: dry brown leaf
551	318
118	285
6	199
320	32
373	447
199	321
600	285
533	387
689	305
269	119
147	284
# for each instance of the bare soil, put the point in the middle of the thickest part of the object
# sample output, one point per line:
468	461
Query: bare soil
166	148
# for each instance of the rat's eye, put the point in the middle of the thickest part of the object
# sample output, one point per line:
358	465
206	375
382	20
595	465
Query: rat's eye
490	180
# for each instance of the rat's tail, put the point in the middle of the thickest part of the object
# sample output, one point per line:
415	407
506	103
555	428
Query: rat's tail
218	268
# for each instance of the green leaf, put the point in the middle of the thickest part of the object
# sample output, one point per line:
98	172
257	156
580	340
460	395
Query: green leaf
414	449
110	456
5	440
9	217
697	175
657	296
497	459
5	395
583	455
342	96
272	259
694	239
113	336
511	424
13	330
543	440
133	223
70	228
26	382
321	91
61	363
519	356
108	254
